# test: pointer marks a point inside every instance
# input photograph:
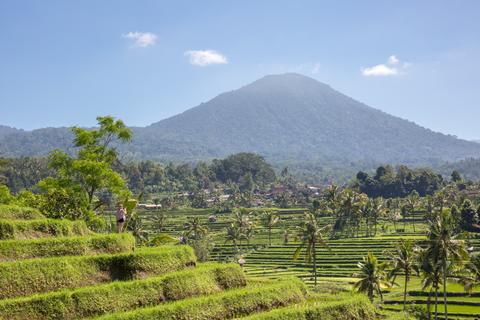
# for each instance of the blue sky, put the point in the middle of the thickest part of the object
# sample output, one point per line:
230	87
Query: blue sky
65	62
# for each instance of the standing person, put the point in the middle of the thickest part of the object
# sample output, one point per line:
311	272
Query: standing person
121	216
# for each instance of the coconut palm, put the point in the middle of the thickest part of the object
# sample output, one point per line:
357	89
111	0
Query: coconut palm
269	220
311	234
412	202
242	219
471	279
376	211
195	230
138	229
233	235
430	272
445	249
372	276
403	261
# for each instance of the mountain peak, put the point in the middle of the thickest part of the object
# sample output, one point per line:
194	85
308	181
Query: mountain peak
284	117
288	81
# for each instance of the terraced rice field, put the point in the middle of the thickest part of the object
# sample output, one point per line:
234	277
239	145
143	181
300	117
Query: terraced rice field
52	269
335	267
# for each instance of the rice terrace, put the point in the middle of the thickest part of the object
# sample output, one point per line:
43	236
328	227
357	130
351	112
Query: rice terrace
276	196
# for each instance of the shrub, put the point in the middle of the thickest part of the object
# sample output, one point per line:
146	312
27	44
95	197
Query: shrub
8	211
225	305
11	250
352	308
122	296
27	277
40	228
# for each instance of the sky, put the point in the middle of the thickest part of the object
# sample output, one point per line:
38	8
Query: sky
63	63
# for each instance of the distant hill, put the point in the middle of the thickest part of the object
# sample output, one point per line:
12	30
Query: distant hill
4	130
287	118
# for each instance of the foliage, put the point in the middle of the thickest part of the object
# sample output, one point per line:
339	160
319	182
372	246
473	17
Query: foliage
244	166
72	191
388	183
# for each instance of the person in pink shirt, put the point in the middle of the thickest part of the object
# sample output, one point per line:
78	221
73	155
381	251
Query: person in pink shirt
121	216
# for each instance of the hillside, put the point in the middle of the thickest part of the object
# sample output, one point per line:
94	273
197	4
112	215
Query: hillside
287	118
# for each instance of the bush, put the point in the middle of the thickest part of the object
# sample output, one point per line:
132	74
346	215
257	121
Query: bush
9	211
122	296
225	305
40	228
352	308
27	277
11	250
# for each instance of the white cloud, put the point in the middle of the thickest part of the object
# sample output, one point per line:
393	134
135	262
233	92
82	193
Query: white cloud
393	60
316	68
380	70
141	39
391	68
205	57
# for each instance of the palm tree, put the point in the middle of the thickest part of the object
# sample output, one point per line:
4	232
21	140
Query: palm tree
412	202
332	196
372	276
430	272
472	278
242	219
312	235
195	230
269	220
403	260
233	235
160	220
444	248
376	210
138	230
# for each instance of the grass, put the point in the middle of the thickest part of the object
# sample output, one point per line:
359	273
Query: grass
345	308
123	296
14	212
40	228
11	250
23	278
226	305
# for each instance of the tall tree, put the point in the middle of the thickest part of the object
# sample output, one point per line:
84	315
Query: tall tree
403	261
445	249
311	234
90	170
270	220
372	276
195	230
412	202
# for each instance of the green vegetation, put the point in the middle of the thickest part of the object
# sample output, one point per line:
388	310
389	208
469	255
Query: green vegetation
125	295
28	229
346	308
22	278
225	305
391	183
11	250
14	212
73	190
